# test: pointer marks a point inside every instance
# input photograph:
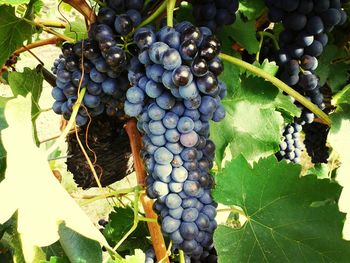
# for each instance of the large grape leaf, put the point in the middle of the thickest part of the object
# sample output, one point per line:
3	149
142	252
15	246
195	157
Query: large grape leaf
339	140
252	125
334	73
288	219
33	190
13	32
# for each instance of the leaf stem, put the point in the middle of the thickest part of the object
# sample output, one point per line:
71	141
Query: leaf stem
182	256
107	195
279	84
50	23
170	12
340	94
70	124
154	229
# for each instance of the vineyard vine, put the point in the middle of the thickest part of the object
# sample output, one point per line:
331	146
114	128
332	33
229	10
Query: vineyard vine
190	131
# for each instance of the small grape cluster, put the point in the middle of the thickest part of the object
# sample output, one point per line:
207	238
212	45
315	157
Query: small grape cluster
215	14
316	142
290	147
174	97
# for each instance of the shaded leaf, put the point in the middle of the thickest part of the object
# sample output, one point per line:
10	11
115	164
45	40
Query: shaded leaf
252	9
76	29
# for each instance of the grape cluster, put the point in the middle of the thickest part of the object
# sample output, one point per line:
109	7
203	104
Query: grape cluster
174	97
290	147
306	23
104	60
214	14
82	65
315	142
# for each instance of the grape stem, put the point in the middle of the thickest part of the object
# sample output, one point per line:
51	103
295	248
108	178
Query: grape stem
83	8
70	124
43	42
154	229
271	36
279	84
170	12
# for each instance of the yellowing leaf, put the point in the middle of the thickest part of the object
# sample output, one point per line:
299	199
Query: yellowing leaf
30	187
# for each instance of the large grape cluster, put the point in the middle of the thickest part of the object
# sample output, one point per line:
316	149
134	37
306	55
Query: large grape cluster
174	98
306	24
215	14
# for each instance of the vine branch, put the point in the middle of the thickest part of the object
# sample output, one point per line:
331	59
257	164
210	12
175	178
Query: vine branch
48	41
83	8
279	84
154	228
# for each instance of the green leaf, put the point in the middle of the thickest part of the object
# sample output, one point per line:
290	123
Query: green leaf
76	29
79	248
252	125
28	81
268	66
252	9
334	74
339	140
13	32
137	258
244	33
285	105
283	223
45	200
119	223
55	250
231	77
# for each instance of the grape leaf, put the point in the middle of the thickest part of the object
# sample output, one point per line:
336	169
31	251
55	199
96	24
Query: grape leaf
13	32
79	248
38	197
119	223
338	138
252	125
321	170
334	74
76	29
28	81
268	66
244	33
252	9
3	125
284	224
